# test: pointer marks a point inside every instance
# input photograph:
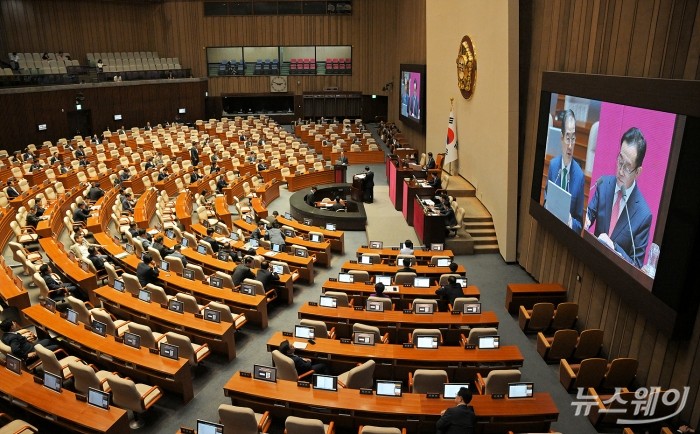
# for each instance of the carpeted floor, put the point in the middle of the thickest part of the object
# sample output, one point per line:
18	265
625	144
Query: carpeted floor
489	272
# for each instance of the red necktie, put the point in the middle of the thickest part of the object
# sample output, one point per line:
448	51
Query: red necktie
615	212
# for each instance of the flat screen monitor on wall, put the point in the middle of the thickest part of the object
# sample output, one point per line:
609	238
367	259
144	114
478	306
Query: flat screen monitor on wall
615	179
412	96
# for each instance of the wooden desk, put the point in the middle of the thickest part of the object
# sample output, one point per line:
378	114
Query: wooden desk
527	294
218	336
348	409
61	408
430	228
299	182
394	362
395	176
172	375
145	208
85	280
336	238
421	270
11	287
397	323
253	306
183	209
390	253
405	295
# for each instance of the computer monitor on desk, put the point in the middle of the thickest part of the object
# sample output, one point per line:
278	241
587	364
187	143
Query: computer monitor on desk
489	342
330	226
386	280
327	301
345	278
98	398
304	332
361	338
325	382
421	282
427	342
206	427
376	244
520	390
388	388
450	390
265	373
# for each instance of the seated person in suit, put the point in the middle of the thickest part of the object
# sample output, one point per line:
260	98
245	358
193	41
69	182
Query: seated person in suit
12	192
265	276
133	230
57	289
257	233
149	164
435	181
430	164
32	218
379	290
95	192
302	364
310	197
195	176
163	174
178	254
158	245
144	238
81	213
275	235
97	260
124	175
407	248
221	184
261	166
339	204
22	341
459	419
406	266
450	291
215	246
35	166
146	271
243	271
127	203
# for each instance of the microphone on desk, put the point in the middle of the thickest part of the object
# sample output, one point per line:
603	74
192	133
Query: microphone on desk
595	185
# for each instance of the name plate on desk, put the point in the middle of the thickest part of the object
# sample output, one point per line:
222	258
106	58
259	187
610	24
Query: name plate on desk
455	312
304	384
288	334
498	395
332	279
369	282
407	311
184	430
81	398
38	380
198	315
364	391
407	285
433	396
394	248
119	339
153	351
408	345
469	347
364	247
345	340
313	303
359	307
245	374
432	265
353	262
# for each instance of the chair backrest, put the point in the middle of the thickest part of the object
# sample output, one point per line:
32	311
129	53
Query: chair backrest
541	316
238	419
145	332
320	329
563	344
79	306
124	393
111	273
359	275
590	373
225	311
461	301
388	305
198	272
83	377
285	366
498	379
341	298
175	264
49	362
565	316
620	373
369	429
131	283
429	380
190	304
404	277
475	333
589	343
317	234
361	377
104	316
364	328
423	301
185	346
259	288
299	425
158	294
434	260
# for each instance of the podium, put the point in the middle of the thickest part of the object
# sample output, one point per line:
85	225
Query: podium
356	191
340	170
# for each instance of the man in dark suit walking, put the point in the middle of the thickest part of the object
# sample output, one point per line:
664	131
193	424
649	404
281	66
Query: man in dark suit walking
194	154
368	185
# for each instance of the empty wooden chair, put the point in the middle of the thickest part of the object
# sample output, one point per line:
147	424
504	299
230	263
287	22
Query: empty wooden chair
427	380
86	376
369	429
298	425
133	396
561	346
589	344
475	333
320	328
536	319
51	363
363	328
589	373
359	377
620	373
340	297
243	420
496	381
565	316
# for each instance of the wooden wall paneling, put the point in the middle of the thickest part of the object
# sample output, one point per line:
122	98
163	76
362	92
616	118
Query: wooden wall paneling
640	38
628	330
691	66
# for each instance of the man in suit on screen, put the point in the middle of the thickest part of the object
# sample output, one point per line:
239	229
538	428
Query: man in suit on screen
414	104
621	215
565	172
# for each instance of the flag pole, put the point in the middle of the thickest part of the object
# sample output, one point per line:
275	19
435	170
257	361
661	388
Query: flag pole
452	105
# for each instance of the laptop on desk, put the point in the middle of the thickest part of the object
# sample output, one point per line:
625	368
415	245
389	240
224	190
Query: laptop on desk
558	202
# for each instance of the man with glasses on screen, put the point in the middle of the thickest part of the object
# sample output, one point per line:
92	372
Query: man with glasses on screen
621	215
565	172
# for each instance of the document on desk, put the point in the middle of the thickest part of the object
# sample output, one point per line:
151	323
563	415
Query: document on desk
225	240
300	345
153	231
121	255
391	289
428	202
270	253
424	184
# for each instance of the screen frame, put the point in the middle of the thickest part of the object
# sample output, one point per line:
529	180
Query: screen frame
672	312
407	120
101	394
394	383
450	386
521	383
335	382
208	424
273	377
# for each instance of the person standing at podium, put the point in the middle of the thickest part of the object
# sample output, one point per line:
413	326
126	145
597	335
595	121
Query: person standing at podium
368	185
